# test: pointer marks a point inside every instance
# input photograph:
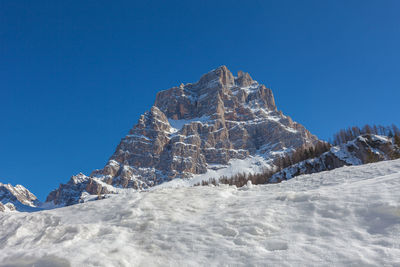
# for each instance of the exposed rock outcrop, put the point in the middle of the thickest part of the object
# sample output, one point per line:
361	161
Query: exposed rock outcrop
16	198
77	189
191	127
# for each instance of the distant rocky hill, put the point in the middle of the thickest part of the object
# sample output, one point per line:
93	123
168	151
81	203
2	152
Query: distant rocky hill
191	129
366	148
16	198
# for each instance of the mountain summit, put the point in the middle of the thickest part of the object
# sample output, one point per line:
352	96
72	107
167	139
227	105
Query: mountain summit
190	130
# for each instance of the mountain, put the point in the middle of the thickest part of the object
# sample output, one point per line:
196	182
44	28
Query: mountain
345	217
193	129
16	198
366	148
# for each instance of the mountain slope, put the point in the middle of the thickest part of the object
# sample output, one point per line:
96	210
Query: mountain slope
345	217
364	149
192	129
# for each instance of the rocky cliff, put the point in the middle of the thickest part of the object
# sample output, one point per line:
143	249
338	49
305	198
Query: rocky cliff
190	129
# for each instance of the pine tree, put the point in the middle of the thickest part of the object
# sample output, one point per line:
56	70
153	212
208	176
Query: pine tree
389	132
371	157
395	130
397	140
367	129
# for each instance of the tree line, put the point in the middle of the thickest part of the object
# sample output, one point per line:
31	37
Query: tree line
349	134
280	163
302	154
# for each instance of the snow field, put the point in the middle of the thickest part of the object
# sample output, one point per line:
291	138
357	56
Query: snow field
348	216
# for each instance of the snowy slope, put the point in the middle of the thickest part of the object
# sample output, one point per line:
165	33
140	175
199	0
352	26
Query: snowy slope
348	216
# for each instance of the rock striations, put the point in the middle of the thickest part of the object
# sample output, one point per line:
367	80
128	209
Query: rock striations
190	129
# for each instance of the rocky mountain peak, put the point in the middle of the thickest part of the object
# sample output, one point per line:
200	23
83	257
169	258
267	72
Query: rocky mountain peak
213	95
191	129
219	76
243	79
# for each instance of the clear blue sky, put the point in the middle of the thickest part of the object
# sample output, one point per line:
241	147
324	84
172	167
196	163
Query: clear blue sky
76	75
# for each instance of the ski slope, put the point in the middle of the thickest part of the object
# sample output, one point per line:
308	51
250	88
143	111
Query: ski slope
346	217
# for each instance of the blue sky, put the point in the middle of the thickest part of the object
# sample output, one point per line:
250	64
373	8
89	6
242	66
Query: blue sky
76	75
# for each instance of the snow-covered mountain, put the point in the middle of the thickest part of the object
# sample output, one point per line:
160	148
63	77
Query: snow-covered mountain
16	198
364	149
191	130
345	217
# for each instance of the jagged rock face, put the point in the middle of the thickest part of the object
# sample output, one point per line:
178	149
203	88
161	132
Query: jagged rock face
71	192
219	118
16	196
364	149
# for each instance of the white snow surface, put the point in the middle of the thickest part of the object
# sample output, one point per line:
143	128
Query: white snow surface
251	164
345	217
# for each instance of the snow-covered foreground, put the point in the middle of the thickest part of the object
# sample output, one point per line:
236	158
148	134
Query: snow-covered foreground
348	216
